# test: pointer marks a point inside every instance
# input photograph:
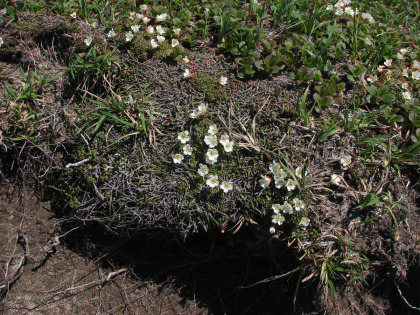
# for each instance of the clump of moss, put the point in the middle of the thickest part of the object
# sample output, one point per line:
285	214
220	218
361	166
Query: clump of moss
139	47
208	84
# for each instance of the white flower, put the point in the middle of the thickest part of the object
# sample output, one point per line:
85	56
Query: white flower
160	30
194	114
388	63
299	204
160	38
276	208
186	60
211	140
203	170
290	184
304	222
145	20
202	108
265	181
275	167
404	85
372	78
339	11
277	219
223	80
405	72
1	41
132	15
129	36
187	74
349	11
280	174
111	33
279	182
272	230
226	186
299	171
153	43
369	17
178	158
403	51
135	28
400	56
335	179
212	155
287	208
415	75
150	30
177	31
184	136
187	149
212	181
406	95
229	146
139	16
416	64
174	42
88	41
380	68
368	41
345	160
210	162
224	139
329	7
73	15
213	130
144	7
161	17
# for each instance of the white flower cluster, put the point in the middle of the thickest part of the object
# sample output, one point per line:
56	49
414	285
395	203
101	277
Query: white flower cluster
201	110
211	155
280	177
342	7
288	208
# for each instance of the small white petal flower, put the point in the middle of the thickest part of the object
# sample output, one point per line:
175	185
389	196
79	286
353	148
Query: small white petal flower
229	146
388	63
211	140
226	186
278	219
174	42
276	208
405	72
287	208
223	80
153	43
184	136
272	230
349	11
213	129
129	36
150	30
194	114
203	170
304	222
186	74
380	68
210	162
145	20
111	33
160	38
345	160
212	155
186	60
161	17
274	167
1	41
135	28
177	31
335	179
160	30
299	204
403	51
212	181
73	15
280	182
329	7
404	85
280	174
416	64
187	149
290	184
299	171
144	7
139	16
178	158
88	41
132	15
406	95
400	56
372	78
265	181
415	75
224	139
202	108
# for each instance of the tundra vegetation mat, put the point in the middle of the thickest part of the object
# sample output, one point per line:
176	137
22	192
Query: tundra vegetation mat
240	156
